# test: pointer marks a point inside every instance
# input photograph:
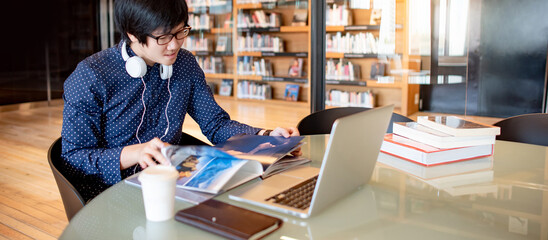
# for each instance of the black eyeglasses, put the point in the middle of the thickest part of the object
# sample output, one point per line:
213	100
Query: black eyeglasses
166	38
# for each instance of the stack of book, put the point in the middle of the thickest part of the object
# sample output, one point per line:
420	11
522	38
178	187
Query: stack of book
434	140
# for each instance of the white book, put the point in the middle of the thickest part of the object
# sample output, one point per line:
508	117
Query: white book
457	126
427	155
436	138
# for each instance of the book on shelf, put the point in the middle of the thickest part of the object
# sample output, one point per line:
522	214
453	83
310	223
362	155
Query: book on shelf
426	135
359	43
291	92
377	70
258	19
300	17
375	18
200	21
340	98
229	221
342	69
438	171
222	43
260	42
296	68
254	90
211	64
205	171
427	155
338	15
193	43
457	126
226	87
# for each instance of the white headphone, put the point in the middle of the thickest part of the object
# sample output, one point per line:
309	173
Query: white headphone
137	68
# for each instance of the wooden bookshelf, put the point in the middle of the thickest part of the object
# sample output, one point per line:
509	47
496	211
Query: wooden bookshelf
398	92
296	40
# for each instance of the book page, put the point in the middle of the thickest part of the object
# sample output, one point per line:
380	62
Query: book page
265	149
212	177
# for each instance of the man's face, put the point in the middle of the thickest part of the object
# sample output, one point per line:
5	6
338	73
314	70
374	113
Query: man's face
153	52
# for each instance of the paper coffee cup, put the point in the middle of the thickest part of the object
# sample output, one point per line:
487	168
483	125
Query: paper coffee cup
158	186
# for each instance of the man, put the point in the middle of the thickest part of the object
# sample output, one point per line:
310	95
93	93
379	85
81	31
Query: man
126	102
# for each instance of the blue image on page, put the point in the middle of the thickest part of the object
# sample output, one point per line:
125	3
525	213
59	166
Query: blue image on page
215	174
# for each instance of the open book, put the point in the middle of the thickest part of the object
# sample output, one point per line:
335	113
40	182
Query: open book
205	171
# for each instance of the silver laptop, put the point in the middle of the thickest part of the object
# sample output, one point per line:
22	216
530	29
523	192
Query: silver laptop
348	163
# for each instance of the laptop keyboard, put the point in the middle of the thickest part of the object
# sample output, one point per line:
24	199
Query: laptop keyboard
298	196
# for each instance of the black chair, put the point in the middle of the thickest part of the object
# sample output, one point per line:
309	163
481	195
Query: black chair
72	200
527	128
187	139
321	122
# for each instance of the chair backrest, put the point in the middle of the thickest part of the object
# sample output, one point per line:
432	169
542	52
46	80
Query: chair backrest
527	128
187	139
72	200
321	122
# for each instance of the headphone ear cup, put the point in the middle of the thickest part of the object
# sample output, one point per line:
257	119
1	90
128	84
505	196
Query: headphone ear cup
166	72
136	67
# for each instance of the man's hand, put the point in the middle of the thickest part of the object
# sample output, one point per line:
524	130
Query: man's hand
145	154
287	132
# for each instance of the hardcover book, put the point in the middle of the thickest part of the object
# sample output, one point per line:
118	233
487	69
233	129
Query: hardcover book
426	135
229	221
457	126
291	92
296	68
427	155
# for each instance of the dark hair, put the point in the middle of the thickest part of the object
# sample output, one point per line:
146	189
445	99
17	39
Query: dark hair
142	17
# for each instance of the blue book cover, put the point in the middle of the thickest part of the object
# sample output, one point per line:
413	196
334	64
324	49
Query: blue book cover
291	92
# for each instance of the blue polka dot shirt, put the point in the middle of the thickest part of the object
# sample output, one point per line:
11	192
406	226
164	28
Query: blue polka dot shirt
103	110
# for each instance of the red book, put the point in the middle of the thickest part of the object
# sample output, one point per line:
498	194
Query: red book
427	155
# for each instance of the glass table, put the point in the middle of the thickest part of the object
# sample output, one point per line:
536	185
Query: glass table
506	199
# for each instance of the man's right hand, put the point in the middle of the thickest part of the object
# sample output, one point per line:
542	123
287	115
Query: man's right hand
145	154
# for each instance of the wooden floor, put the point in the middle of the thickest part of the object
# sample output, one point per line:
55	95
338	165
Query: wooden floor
30	205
